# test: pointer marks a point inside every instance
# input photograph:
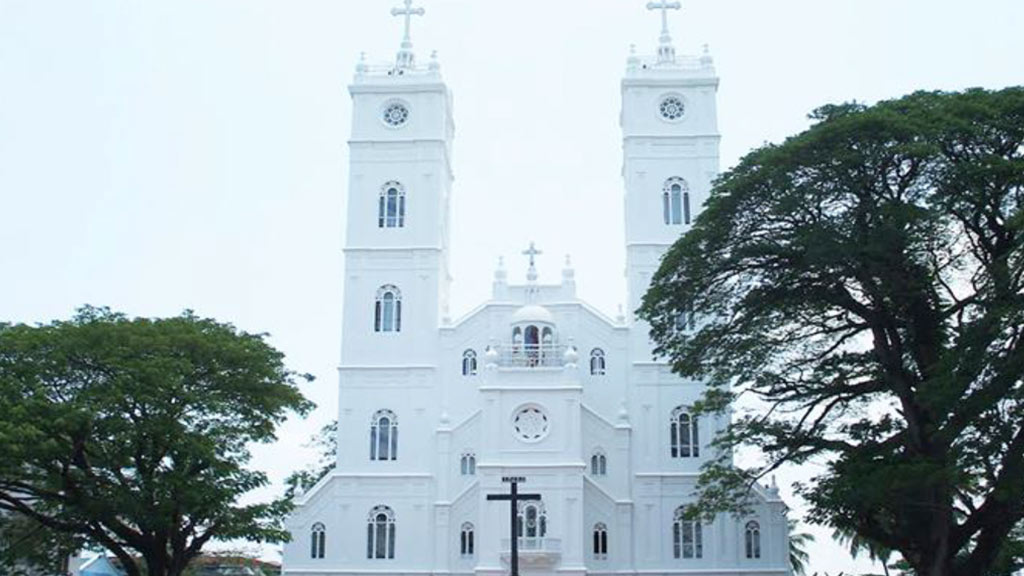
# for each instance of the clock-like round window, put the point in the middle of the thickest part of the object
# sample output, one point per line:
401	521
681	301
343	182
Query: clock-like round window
395	114
672	108
530	424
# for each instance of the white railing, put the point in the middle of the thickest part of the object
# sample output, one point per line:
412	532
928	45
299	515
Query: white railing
534	544
531	355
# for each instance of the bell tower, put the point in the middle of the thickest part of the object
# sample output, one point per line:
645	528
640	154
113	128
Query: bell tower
396	245
670	156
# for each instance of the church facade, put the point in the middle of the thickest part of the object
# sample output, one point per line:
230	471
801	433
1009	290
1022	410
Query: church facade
434	413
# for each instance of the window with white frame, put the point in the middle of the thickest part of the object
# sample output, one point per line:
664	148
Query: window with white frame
597	364
598	464
752	539
384	436
466	545
317	541
600	541
687	536
532	521
685	435
387	314
380	534
391	206
469	363
468	465
675	201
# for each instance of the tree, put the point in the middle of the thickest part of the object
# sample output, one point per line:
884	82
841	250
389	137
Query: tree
326	443
798	555
863	282
134	433
28	548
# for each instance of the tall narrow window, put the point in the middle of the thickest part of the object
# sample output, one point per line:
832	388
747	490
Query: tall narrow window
597	362
686	320
380	534
469	363
466	540
468	465
600	541
675	201
384	436
687	537
391	206
387	315
752	539
317	541
685	435
598	464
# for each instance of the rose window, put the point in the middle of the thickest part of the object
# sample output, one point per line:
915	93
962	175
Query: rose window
672	108
531	424
395	115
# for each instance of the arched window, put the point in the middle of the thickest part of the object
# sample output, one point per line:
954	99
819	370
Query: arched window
685	441
466	539
391	209
686	320
384	436
687	536
600	541
468	464
469	363
317	541
597	362
387	315
598	464
532	521
752	539
675	201
380	534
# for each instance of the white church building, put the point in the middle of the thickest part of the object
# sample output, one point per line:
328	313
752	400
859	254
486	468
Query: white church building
534	382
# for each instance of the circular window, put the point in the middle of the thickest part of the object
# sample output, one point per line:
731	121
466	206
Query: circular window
395	114
530	424
672	108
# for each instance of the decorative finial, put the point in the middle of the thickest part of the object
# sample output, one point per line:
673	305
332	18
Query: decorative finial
361	66
499	273
532	252
621	317
666	52
406	58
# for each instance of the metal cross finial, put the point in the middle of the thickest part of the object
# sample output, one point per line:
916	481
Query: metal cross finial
408	12
532	252
664	6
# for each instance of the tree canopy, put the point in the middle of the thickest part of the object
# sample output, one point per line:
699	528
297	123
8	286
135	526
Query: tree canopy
134	433
863	282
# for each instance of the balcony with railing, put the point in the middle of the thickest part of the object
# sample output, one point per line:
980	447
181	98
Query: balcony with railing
528	355
534	552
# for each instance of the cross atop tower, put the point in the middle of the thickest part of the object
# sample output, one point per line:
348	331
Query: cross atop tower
406	58
532	252
666	52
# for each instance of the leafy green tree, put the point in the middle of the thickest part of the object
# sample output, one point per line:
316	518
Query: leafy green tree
326	444
28	548
134	433
798	555
863	281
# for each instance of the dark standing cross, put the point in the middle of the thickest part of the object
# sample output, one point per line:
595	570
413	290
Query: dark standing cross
513	498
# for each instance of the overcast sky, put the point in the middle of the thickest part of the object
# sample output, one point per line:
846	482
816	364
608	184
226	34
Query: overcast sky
163	155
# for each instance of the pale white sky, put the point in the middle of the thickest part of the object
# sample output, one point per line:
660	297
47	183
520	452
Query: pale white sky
162	155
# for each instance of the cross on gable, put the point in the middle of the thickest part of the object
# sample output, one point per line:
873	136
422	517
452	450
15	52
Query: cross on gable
532	252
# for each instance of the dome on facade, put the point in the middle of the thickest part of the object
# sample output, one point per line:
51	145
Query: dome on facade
533	313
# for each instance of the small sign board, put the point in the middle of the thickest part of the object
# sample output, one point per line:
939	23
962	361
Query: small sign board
511	479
